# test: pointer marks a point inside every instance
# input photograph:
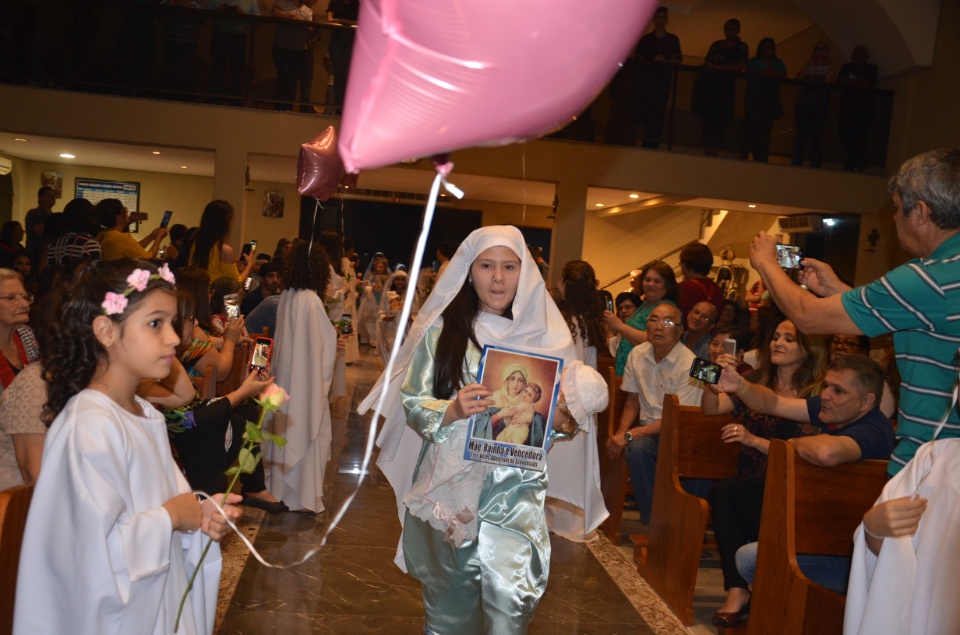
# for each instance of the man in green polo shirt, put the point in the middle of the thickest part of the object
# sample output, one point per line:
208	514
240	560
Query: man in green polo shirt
919	302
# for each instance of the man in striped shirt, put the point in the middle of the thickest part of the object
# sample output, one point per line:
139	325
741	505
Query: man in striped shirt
919	302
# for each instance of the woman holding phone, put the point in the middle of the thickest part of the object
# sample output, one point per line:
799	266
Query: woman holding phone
470	526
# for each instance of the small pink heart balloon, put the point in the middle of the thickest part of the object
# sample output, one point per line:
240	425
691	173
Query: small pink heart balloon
319	167
432	76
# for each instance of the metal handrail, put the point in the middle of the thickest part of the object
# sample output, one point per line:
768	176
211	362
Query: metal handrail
663	257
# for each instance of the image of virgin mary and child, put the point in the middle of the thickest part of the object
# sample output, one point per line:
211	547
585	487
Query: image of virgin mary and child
514	417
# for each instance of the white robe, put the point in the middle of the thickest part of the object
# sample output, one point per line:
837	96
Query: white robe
911	587
100	555
575	506
334	301
303	362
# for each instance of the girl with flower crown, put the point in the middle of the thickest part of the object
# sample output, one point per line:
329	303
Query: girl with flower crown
108	475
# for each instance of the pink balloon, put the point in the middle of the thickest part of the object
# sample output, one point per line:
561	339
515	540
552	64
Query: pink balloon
432	76
319	166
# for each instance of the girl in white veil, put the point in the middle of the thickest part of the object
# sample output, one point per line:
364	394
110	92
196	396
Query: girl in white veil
475	534
391	302
373	278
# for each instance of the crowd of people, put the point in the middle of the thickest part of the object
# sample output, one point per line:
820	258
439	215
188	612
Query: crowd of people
96	388
641	92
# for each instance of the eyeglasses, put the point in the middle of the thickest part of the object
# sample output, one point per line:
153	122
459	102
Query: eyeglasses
847	345
13	297
654	321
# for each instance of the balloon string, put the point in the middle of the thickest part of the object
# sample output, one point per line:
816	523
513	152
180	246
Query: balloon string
372	435
313	229
428	213
523	164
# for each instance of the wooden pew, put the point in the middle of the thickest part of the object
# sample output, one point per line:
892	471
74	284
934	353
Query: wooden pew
806	509
690	447
613	472
14	504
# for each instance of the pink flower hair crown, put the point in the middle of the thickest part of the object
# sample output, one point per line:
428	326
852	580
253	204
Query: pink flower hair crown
115	303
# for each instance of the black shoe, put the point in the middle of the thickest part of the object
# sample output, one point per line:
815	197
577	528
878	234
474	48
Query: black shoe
273	508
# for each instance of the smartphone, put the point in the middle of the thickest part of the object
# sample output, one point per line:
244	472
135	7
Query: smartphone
260	358
705	371
247	283
347	328
253	245
166	219
789	257
608	301
610	306
231	304
730	347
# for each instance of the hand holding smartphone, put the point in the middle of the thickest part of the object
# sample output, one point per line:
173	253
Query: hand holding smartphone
705	371
231	304
166	219
260	358
789	256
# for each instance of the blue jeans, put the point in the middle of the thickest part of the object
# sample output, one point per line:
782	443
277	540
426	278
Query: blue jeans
641	457
831	572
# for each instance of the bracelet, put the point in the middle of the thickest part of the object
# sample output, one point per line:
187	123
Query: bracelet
869	533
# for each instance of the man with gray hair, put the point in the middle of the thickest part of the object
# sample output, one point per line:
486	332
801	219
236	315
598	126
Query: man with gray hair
919	302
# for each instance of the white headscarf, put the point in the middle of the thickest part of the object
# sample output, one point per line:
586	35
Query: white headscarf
537	326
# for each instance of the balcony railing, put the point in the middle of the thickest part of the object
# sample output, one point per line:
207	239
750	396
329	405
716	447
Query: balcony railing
169	52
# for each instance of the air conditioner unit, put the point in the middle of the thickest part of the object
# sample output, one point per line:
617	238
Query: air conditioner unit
801	224
6	165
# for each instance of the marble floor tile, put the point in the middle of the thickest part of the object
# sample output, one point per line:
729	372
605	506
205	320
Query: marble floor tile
351	586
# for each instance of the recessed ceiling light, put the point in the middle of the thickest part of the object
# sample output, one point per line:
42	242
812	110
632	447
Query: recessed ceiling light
156	152
723	211
598	204
19	139
67	155
634	196
751	205
183	167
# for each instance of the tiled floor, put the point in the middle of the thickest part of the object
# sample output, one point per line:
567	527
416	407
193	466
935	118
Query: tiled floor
352	586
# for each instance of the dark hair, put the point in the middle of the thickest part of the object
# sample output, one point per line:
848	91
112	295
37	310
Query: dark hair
332	242
197	282
56	225
580	304
697	257
867	373
934	178
186	307
628	295
7	231
808	378
109	209
278	252
456	333
732	22
75	352
177	232
268	268
771	42
736	310
304	270
214	226
446	248
81	216
768	317
660	11
348	244
44	189
219	288
671	288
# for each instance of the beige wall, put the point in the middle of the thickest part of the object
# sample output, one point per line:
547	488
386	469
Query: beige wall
265	230
185	195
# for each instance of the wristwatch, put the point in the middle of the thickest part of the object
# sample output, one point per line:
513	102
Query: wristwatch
628	436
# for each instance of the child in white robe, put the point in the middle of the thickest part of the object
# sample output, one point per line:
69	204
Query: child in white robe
111	538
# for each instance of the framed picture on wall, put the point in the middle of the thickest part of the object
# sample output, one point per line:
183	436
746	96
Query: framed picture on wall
50	178
273	203
127	192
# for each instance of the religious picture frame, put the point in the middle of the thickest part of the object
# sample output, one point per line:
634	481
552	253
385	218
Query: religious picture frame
515	431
